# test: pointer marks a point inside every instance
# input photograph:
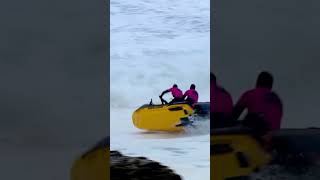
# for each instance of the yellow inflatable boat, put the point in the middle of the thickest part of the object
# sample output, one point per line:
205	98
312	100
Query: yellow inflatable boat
235	154
94	164
165	117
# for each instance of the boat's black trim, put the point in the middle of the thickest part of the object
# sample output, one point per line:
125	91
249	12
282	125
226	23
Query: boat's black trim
216	149
231	131
176	109
239	178
297	140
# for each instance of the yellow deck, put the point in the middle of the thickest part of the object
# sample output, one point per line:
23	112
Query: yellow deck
161	117
92	166
226	165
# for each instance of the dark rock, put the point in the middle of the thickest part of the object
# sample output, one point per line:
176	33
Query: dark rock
138	168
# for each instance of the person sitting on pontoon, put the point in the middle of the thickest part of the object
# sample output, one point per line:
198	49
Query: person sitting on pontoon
191	96
264	106
176	93
221	104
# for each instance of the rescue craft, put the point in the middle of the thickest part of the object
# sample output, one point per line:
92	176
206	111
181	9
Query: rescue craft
168	117
235	153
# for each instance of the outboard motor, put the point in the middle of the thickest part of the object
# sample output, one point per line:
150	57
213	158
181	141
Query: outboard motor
202	109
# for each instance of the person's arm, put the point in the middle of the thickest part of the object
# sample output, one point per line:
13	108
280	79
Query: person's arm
237	111
229	105
239	107
164	92
185	95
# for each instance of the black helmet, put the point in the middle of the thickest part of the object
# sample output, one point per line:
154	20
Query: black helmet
193	86
175	86
265	80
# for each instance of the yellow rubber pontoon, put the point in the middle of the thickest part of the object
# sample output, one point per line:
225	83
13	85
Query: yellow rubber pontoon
94	164
235	154
164	117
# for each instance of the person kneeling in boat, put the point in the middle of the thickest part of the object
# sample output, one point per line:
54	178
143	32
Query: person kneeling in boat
176	93
191	96
264	106
221	105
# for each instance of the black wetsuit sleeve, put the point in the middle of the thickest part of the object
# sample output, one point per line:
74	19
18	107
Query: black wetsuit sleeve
239	107
237	111
164	92
184	96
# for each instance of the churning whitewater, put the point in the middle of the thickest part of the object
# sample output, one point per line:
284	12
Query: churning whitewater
155	44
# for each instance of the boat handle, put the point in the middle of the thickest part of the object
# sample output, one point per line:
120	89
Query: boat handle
243	160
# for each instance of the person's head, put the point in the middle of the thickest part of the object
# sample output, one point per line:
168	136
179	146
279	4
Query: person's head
213	78
265	80
175	86
193	86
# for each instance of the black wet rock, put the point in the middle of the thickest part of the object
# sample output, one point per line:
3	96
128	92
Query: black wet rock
138	168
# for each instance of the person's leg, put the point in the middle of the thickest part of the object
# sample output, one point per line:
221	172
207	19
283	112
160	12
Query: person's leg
173	101
162	100
176	100
190	102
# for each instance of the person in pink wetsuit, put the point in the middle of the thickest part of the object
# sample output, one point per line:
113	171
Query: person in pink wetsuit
176	93
261	102
221	100
191	95
221	105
